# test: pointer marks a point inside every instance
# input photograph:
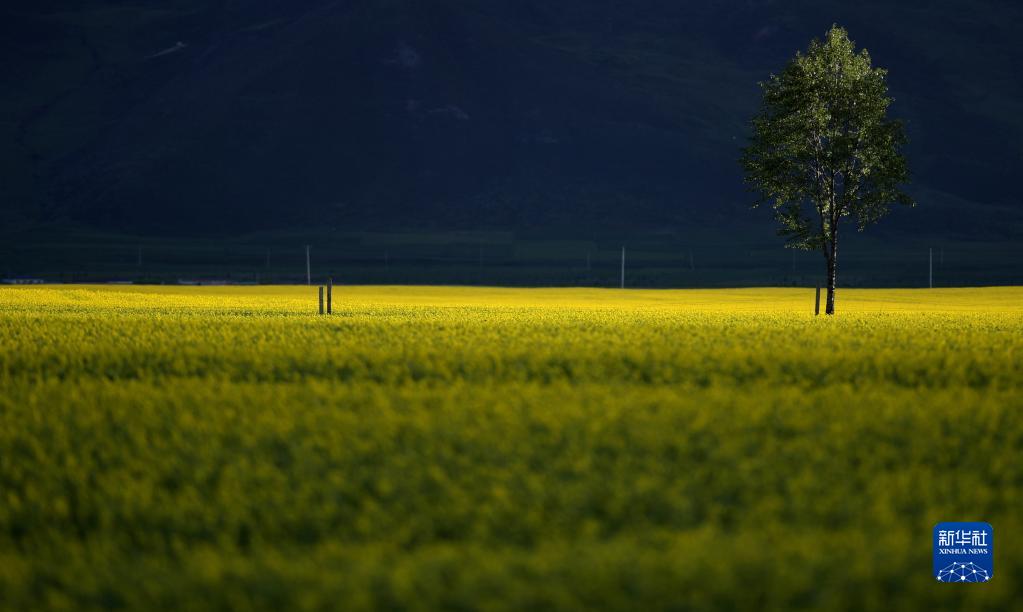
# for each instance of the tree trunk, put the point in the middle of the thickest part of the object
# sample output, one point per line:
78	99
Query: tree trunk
829	308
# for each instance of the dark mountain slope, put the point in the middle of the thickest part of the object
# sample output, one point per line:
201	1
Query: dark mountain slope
174	117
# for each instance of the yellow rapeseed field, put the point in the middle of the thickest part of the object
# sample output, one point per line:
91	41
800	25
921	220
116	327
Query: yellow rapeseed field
481	448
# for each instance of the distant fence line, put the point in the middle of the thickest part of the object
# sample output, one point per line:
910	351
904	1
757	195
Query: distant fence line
514	264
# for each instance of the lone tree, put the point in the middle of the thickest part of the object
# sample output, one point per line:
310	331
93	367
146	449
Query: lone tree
824	149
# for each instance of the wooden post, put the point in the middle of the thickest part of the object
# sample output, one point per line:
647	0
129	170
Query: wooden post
817	302
308	274
930	268
321	299
623	267
330	293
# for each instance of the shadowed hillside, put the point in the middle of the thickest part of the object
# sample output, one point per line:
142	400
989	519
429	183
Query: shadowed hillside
186	116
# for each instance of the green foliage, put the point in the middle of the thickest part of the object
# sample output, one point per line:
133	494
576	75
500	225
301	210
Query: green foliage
221	448
823	147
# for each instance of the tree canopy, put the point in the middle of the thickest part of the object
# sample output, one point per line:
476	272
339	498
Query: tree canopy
823	147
